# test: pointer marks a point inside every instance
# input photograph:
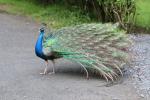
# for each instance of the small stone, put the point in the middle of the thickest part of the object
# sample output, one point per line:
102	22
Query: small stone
115	99
142	95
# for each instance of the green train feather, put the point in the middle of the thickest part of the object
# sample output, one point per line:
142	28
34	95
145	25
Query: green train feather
101	48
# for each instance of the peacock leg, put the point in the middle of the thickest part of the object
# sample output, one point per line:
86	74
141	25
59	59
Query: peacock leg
45	70
53	72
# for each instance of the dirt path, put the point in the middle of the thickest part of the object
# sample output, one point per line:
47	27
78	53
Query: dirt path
20	68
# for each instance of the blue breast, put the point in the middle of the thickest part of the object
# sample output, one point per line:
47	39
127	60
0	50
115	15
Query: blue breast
39	47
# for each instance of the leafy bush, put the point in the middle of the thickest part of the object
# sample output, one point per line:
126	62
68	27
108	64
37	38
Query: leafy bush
122	11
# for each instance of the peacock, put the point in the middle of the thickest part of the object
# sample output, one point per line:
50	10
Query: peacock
96	47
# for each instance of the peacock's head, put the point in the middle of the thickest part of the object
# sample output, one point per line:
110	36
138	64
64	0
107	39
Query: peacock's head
42	30
43	27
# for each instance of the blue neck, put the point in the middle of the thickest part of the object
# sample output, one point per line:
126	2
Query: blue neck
38	46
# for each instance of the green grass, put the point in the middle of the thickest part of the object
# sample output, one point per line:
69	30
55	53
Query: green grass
143	13
55	16
58	16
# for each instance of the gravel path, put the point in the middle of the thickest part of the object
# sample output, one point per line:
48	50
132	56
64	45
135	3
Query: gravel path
141	65
20	68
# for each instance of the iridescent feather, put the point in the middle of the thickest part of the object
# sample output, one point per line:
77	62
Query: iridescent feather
101	48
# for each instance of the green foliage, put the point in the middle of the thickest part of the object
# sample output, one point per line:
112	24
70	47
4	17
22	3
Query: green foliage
121	11
70	12
143	13
61	13
55	15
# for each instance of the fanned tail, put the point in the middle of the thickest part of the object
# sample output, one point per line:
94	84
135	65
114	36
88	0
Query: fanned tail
101	48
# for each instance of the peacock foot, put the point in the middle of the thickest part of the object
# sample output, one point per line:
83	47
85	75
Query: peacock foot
43	73
51	73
